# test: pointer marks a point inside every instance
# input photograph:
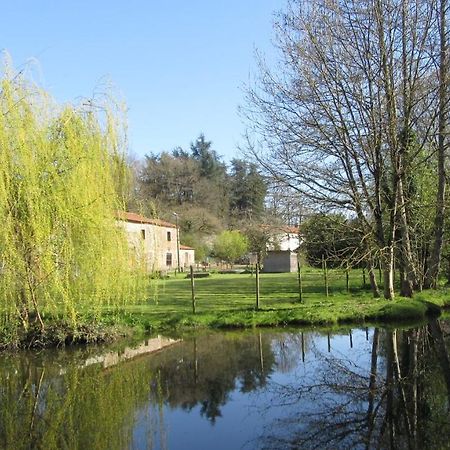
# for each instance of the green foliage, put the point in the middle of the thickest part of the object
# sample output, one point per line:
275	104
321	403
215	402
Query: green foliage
248	190
201	249
210	165
258	239
61	251
196	185
230	245
330	236
192	184
60	408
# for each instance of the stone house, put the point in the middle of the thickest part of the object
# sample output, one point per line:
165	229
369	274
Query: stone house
154	242
187	257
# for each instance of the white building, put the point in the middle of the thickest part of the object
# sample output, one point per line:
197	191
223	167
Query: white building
284	237
282	246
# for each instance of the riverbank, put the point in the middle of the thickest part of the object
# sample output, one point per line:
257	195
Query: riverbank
228	301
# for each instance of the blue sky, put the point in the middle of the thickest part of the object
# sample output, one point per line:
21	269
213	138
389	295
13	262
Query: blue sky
179	65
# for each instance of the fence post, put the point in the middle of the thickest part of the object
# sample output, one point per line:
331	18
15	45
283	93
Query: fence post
300	282
303	347
192	289
257	284
347	280
325	274
364	277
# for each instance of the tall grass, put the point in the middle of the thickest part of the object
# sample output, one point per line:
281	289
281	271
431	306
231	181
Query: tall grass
61	252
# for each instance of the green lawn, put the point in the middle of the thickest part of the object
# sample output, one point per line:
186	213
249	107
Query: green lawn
228	300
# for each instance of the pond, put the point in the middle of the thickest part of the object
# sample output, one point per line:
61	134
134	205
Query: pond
258	389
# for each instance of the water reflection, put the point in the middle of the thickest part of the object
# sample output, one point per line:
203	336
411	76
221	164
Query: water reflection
377	388
399	398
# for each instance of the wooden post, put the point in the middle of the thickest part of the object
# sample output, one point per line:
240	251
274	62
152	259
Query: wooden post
329	342
347	280
257	284
325	274
364	277
351	338
192	289
195	362
300	283
303	347
261	356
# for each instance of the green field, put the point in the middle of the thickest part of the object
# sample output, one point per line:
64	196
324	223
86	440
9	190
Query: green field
228	300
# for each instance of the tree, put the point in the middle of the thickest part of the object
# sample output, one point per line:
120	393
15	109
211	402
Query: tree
442	144
210	164
169	180
61	252
332	237
286	205
230	246
181	180
247	190
352	116
258	237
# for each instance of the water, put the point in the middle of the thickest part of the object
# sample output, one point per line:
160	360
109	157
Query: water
274	389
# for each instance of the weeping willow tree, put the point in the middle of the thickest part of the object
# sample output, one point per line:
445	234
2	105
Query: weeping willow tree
61	252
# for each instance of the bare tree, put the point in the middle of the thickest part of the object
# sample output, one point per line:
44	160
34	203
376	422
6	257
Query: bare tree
435	256
347	119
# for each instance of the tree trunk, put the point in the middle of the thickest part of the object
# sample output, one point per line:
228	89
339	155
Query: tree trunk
373	279
388	272
431	278
409	270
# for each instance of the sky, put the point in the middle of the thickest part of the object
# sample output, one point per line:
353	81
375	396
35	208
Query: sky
179	65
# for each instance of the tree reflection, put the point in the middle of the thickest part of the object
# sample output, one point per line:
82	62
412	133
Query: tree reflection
399	401
81	408
390	392
203	372
65	403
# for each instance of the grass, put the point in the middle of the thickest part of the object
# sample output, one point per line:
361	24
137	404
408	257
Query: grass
228	301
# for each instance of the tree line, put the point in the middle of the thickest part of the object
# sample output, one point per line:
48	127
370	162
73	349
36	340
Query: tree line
356	122
208	196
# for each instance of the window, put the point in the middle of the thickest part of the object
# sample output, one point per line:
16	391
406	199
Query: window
143	234
169	259
169	236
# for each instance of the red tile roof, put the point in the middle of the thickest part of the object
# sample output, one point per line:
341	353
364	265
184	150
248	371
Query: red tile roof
136	218
185	247
281	228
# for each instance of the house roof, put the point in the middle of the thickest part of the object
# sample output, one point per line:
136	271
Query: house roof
185	247
137	218
290	229
281	228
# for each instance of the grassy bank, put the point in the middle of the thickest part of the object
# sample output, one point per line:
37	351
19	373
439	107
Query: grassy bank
228	301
